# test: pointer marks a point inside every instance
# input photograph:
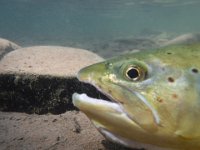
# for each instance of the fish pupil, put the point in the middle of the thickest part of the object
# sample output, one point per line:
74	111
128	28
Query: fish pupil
133	73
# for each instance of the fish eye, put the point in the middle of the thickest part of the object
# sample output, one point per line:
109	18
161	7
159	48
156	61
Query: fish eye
133	73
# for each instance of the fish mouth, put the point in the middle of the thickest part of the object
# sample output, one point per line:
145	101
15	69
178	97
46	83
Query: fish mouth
123	109
105	113
102	98
78	99
100	111
87	102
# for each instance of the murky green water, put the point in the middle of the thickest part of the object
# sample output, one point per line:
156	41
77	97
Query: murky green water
95	24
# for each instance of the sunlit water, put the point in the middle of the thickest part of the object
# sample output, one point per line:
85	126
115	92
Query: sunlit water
96	24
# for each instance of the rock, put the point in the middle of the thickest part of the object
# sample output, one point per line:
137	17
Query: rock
47	60
184	39
34	133
121	46
42	79
6	46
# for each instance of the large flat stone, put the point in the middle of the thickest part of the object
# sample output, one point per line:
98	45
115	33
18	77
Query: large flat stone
47	60
42	79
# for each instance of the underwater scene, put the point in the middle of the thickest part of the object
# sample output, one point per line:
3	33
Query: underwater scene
99	74
105	27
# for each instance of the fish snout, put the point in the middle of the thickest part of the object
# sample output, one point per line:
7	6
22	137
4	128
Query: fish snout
91	73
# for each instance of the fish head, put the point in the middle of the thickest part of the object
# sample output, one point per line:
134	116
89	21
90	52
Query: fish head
148	96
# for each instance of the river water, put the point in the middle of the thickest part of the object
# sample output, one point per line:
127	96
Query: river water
97	25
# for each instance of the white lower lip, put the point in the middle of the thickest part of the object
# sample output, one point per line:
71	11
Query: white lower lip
77	98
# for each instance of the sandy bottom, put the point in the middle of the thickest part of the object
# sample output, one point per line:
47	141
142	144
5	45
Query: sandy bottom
69	131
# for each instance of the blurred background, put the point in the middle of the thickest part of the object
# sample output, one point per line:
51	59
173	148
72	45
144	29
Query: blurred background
107	27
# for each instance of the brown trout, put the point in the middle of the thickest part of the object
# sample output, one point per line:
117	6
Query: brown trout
155	97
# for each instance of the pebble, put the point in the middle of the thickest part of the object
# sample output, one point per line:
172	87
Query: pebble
6	46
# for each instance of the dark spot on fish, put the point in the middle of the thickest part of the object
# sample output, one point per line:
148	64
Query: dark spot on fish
194	70
169	53
170	79
175	96
100	86
160	100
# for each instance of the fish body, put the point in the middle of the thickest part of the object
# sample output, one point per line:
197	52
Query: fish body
155	97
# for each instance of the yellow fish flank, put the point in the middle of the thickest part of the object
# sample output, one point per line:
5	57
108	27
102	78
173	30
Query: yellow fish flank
155	97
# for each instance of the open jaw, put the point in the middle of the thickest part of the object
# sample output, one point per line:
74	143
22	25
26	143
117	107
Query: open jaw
83	99
98	109
86	103
103	109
